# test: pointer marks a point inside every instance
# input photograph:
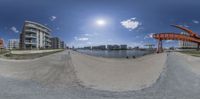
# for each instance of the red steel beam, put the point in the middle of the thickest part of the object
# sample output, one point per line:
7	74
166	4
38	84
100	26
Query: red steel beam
1	43
192	37
175	36
190	32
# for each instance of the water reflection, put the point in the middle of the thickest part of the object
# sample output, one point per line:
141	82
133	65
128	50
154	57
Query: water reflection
116	53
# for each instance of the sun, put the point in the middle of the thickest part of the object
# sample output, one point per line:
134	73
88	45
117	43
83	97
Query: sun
101	22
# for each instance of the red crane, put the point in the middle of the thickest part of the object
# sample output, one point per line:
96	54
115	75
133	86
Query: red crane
192	37
1	43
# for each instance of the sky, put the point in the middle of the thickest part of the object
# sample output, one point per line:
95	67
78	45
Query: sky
96	22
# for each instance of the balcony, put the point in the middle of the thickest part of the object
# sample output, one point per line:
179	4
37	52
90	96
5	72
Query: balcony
31	25
31	30
48	45
47	36
31	36
48	40
30	42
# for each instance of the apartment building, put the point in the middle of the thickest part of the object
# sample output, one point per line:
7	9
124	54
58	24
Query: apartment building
113	47
56	43
100	47
186	44
35	36
13	44
123	47
62	45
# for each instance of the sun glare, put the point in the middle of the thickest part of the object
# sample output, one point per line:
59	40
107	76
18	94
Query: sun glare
101	22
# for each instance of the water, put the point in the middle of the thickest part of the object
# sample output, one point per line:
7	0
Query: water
116	53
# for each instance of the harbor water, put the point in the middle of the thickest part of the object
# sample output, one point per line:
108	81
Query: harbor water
116	53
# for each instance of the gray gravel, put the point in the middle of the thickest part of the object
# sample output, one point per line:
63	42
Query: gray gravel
176	82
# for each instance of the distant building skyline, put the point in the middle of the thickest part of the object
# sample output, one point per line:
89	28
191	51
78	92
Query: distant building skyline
13	44
107	47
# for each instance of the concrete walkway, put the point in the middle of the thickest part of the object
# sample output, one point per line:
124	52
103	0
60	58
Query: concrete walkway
33	51
52	77
118	74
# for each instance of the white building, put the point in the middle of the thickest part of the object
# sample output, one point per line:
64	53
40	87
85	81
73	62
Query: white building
35	36
13	44
186	44
55	43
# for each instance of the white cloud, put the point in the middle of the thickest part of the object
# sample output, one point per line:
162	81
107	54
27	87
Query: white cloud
195	21
81	39
136	44
149	36
14	29
89	43
169	41
90	34
52	18
186	26
87	34
131	24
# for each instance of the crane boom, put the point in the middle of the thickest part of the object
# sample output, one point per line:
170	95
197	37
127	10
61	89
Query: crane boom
190	32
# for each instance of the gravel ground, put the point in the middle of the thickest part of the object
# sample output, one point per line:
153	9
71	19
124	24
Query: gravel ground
36	79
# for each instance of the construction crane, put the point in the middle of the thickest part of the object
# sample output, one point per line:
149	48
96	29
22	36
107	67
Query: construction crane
1	43
192	37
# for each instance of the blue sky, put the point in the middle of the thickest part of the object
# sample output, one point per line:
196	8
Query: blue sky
126	21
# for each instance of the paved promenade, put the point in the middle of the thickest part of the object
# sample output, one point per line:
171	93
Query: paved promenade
55	77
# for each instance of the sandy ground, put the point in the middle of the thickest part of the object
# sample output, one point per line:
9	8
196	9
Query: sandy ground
54	77
118	74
